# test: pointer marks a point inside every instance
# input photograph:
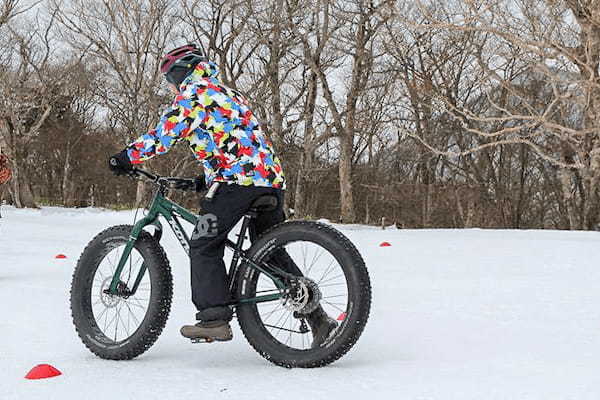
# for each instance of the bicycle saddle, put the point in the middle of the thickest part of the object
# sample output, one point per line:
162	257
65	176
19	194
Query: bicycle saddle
266	202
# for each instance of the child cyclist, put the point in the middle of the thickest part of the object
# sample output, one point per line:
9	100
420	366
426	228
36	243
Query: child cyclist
239	167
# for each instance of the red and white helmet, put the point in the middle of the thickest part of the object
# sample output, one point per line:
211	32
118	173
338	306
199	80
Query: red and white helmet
180	62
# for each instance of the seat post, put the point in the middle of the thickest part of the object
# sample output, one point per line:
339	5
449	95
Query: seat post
238	245
245	225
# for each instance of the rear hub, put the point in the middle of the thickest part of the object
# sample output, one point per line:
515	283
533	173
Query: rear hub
303	297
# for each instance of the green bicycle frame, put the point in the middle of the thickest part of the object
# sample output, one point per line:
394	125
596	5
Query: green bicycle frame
162	206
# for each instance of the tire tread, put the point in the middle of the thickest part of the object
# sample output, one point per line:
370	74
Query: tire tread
365	293
149	337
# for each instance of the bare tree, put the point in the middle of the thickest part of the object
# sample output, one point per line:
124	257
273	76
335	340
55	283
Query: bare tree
219	27
128	39
9	9
554	43
28	95
348	28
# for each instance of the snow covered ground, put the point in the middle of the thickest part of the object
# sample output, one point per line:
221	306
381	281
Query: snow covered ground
457	314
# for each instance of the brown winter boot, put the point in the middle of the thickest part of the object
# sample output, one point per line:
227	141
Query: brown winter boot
208	331
322	326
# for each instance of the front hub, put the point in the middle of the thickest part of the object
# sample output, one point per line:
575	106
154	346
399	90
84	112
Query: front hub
109	299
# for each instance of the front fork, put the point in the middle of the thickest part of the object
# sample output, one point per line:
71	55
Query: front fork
135	232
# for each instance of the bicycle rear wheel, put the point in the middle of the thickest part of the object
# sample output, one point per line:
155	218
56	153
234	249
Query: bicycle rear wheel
121	327
331	276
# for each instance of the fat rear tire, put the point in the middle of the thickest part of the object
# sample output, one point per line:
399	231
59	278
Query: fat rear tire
359	295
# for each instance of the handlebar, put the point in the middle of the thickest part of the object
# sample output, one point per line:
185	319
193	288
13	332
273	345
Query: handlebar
137	172
168	182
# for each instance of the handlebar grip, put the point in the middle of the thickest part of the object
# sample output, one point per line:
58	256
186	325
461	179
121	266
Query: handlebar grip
138	172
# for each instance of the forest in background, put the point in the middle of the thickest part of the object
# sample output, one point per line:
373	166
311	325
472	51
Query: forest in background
425	113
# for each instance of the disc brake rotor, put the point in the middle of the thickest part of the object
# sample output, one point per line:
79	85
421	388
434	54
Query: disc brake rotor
304	296
109	300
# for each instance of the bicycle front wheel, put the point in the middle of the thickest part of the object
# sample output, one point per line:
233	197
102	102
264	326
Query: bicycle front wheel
121	327
332	281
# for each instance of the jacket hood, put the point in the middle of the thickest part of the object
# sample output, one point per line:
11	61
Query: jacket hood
204	70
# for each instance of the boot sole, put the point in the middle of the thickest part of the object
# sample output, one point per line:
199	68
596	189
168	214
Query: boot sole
209	340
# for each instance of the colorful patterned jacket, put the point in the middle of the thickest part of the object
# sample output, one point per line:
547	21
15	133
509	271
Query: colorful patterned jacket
221	130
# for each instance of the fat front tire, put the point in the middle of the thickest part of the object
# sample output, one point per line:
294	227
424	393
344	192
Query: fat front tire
159	294
358	295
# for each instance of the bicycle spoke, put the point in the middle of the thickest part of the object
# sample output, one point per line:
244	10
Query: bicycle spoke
105	318
123	322
332	284
135	266
280	318
116	323
137	305
313	263
337	295
284	321
128	318
327	271
290	336
334	306
118	311
102	277
111	321
132	313
271	313
281	329
100	316
137	302
335	277
115	261
304	256
116	317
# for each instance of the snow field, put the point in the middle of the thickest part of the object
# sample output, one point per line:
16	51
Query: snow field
457	314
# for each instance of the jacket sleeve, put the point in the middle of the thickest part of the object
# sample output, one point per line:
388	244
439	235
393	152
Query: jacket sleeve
173	126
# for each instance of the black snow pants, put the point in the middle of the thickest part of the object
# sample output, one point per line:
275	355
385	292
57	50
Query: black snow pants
210	292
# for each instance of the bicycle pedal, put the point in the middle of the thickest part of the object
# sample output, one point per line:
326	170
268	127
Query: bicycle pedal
202	340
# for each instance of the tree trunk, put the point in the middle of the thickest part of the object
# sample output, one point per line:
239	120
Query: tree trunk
567	193
367	211
307	155
588	62
65	181
22	195
15	184
299	195
139	194
347	214
27	195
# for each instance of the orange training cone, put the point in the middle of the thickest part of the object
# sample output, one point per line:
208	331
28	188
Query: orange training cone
60	256
385	244
42	371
